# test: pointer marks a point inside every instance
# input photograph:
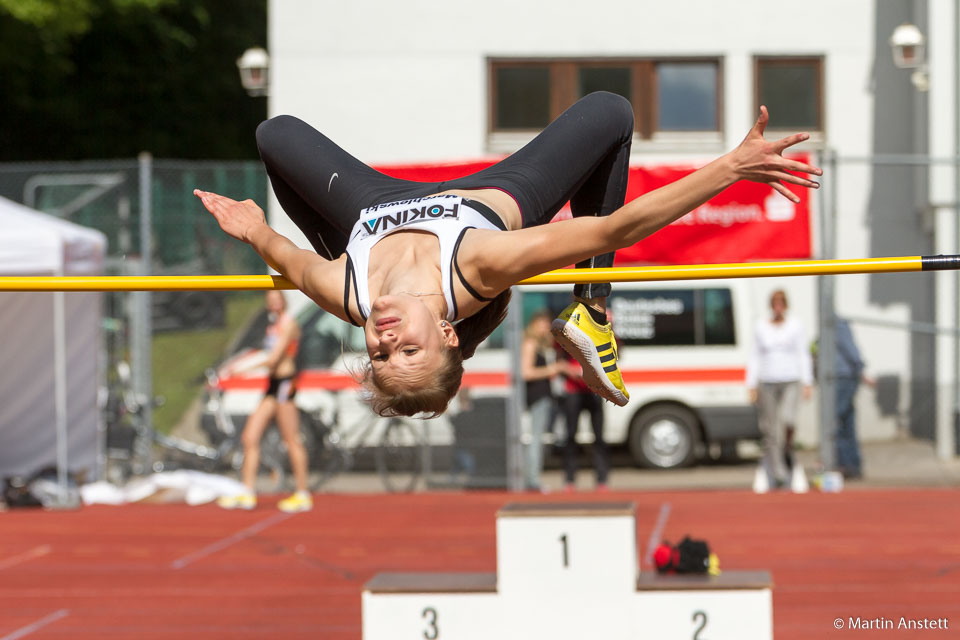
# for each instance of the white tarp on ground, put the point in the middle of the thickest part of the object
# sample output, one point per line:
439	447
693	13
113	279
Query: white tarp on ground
183	486
34	393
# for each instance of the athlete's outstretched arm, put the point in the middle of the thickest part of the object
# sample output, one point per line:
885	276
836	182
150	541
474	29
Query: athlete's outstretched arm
314	275
515	255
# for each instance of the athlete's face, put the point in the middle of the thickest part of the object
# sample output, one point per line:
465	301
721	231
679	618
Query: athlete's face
405	340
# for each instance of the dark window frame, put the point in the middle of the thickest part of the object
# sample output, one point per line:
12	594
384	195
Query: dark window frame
816	61
644	97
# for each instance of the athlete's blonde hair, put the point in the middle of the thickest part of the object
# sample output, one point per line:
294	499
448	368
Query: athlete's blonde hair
425	396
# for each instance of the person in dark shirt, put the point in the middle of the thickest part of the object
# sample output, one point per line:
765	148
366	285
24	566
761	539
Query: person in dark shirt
539	366
849	374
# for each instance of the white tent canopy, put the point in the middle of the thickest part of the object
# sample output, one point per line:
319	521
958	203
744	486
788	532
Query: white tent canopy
49	345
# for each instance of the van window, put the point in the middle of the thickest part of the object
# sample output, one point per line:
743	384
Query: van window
324	337
718	317
656	317
673	317
533	301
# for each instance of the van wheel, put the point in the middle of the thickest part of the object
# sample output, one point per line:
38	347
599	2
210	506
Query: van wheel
663	437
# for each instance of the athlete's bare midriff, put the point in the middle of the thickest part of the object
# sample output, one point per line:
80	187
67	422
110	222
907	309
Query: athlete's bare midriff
501	202
285	368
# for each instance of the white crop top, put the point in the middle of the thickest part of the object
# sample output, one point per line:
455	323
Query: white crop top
447	216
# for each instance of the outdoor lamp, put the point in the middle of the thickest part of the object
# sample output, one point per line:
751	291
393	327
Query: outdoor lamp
908	46
254	66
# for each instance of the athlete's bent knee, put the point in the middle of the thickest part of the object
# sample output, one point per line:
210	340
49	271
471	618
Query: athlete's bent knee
617	110
271	133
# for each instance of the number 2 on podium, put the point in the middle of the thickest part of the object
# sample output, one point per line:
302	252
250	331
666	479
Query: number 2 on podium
701	617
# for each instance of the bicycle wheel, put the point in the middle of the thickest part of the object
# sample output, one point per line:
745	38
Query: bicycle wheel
327	458
400	456
273	454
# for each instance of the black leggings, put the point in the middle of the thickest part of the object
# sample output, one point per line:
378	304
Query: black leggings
582	157
573	404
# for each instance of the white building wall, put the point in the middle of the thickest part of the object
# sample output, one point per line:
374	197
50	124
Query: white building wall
395	82
407	82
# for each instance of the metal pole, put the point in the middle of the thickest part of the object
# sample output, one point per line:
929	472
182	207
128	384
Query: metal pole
143	364
826	354
948	436
60	392
513	339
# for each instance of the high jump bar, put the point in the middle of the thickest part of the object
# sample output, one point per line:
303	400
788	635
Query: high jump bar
560	276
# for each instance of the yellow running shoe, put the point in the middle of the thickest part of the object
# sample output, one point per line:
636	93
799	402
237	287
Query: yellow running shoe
595	348
297	502
246	501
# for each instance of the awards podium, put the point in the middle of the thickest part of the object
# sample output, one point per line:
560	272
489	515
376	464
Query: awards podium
568	570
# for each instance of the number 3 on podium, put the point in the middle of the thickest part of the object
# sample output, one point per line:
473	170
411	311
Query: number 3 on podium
432	632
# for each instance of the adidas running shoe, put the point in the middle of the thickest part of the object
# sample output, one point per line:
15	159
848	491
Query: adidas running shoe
595	348
297	502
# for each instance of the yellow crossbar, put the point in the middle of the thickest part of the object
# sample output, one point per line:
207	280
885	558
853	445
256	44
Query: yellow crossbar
560	276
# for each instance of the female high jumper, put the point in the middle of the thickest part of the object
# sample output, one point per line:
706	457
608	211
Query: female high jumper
426	268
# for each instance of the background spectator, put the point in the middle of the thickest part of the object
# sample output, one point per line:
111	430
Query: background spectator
778	369
539	365
849	373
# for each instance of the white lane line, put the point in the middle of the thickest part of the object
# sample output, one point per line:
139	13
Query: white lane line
36	552
39	624
220	545
657	532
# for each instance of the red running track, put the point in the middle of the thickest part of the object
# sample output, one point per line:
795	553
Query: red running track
162	571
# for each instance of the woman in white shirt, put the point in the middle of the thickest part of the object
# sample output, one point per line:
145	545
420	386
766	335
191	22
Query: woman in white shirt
780	368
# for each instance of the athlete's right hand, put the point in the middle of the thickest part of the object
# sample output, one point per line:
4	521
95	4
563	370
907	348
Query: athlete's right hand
760	160
237	219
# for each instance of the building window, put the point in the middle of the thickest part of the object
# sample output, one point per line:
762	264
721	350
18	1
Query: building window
686	96
668	95
530	88
792	90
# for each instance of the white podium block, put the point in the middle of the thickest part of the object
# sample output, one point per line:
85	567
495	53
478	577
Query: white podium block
431	606
553	549
568	571
732	606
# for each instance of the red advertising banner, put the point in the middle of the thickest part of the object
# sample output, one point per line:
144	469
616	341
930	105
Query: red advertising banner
746	222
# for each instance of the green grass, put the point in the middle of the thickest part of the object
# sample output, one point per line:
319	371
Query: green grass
180	358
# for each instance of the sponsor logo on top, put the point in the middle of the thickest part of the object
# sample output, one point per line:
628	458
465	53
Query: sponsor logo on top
384	217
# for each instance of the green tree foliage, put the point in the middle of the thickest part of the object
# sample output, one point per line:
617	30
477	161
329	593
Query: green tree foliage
93	79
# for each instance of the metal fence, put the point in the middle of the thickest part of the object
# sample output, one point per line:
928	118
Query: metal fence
888	197
146	206
107	196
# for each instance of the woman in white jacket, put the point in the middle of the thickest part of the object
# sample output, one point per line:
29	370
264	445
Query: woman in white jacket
779	370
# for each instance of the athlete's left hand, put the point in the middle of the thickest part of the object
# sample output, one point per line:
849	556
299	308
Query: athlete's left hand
237	219
759	160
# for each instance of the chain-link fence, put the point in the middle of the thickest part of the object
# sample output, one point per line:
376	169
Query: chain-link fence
146	206
159	343
106	196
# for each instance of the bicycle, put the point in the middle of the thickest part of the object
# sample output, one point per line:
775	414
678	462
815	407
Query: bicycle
399	447
132	444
